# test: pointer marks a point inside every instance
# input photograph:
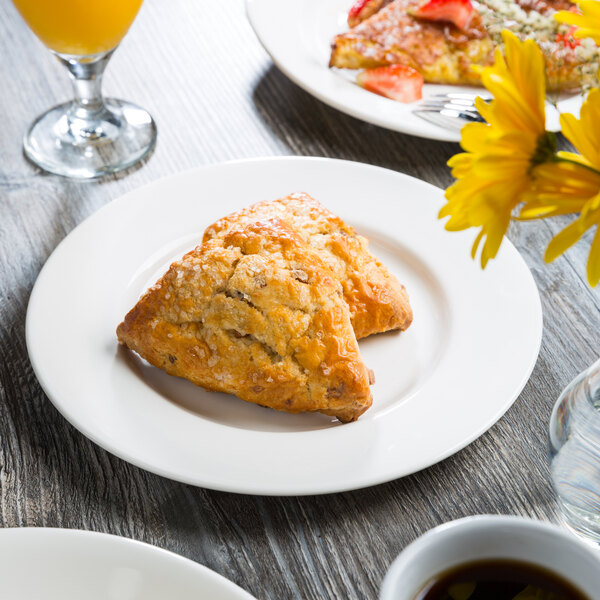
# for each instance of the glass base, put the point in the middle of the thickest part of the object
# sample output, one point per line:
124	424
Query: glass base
61	141
584	524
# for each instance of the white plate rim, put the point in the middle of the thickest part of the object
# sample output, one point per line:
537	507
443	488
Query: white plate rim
204	573
332	89
269	488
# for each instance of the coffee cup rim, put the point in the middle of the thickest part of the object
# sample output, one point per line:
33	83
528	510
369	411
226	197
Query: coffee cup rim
474	525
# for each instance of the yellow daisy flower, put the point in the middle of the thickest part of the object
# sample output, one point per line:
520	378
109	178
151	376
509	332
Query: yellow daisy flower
587	23
496	168
572	185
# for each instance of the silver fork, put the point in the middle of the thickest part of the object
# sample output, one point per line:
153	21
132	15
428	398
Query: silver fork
452	110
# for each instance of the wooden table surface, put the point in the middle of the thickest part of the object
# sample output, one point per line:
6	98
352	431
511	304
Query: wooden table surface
216	96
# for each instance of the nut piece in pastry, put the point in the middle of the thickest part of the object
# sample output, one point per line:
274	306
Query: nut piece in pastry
255	313
377	301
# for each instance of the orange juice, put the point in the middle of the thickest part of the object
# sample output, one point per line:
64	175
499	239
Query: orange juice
79	27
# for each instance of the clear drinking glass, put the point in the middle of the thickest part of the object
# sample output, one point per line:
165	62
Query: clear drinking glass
575	453
89	136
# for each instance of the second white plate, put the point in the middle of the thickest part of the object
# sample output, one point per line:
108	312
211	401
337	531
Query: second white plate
462	363
38	563
298	34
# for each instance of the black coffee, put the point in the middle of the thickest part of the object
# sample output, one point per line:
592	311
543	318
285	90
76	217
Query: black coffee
499	580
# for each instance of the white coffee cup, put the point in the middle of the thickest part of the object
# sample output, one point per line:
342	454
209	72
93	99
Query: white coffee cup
492	537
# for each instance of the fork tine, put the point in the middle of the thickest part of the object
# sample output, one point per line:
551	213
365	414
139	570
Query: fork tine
462	96
467	115
451	111
448	105
463	101
448	118
468	108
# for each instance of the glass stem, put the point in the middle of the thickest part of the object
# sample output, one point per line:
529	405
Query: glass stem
87	111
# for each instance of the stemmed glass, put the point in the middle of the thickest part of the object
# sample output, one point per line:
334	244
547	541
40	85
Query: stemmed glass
90	136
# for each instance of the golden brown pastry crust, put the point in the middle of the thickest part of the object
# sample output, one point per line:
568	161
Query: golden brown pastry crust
441	52
377	301
255	313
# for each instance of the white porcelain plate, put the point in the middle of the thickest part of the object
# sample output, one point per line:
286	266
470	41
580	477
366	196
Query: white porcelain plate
66	564
462	363
298	34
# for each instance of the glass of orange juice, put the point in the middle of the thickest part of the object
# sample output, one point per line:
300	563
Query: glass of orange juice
92	135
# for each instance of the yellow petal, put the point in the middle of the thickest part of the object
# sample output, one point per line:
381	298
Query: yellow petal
581	137
495	235
518	86
515	114
593	263
563	240
565	182
583	132
587	23
590	213
476	244
569	18
460	160
589	7
542	208
526	63
570	166
489	167
577	159
473	137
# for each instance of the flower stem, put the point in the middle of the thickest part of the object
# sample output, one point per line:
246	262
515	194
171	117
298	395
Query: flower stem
545	150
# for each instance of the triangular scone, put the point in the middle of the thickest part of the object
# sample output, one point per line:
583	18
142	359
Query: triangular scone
377	301
255	313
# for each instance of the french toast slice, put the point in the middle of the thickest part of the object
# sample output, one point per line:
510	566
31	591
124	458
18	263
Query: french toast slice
439	51
444	54
377	301
256	313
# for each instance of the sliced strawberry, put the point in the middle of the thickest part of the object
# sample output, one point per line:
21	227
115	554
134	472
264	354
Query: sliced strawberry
354	14
397	82
458	12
